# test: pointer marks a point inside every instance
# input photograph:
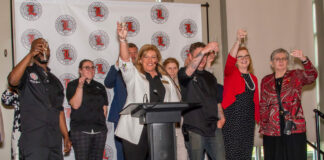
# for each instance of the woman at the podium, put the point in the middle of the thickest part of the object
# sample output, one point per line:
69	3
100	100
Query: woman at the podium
145	82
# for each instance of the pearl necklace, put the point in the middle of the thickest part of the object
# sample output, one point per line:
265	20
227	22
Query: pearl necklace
248	84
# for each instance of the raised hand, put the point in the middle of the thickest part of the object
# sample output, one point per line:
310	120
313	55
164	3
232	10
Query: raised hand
121	31
81	81
210	47
241	34
298	54
37	49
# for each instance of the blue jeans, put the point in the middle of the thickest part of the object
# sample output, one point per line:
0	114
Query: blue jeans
198	145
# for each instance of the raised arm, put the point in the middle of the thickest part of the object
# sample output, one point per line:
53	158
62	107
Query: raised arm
76	99
194	63
308	75
123	46
17	72
239	35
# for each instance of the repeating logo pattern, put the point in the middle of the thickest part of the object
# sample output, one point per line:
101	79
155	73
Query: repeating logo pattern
108	153
159	14
188	28
29	36
99	40
65	25
132	25
66	54
185	52
98	11
66	78
161	40
102	67
31	11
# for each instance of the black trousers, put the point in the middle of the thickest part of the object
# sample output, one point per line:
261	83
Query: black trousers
285	147
138	151
41	153
88	146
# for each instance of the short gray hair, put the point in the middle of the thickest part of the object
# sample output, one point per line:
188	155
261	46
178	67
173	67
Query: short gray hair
279	50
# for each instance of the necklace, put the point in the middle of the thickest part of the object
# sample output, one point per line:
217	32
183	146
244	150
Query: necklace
247	84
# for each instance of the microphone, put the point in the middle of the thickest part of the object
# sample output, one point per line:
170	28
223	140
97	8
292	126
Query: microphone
163	69
145	99
319	113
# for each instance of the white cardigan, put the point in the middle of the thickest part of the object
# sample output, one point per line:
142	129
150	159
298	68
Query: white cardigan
128	127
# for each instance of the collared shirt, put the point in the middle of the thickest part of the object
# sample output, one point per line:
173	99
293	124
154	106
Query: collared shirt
157	90
90	115
41	99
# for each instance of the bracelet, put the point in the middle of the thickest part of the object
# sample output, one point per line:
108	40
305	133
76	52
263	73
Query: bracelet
123	40
304	62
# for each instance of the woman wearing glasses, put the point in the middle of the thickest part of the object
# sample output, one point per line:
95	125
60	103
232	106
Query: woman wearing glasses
240	102
282	121
143	79
88	100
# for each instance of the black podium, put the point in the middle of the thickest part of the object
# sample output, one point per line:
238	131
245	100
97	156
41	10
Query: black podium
160	119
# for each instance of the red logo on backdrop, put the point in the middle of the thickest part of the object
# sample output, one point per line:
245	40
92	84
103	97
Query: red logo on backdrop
66	54
65	25
102	67
184	52
29	36
99	40
161	40
133	26
98	11
66	78
188	28
31	11
108	153
159	14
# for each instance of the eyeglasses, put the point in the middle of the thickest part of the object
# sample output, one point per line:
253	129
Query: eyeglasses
280	59
88	68
243	57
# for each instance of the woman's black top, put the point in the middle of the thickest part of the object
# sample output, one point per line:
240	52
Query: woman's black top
90	115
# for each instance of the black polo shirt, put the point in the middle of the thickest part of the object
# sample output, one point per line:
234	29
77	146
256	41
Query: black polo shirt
41	98
200	87
157	90
90	115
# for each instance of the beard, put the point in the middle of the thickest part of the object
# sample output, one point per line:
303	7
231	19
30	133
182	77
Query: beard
37	58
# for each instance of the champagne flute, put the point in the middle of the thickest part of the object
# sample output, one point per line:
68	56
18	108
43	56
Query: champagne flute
123	21
291	59
45	46
244	40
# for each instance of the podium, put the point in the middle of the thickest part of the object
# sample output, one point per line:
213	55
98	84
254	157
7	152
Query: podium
160	119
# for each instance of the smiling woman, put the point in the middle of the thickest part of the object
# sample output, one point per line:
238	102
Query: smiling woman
144	79
240	103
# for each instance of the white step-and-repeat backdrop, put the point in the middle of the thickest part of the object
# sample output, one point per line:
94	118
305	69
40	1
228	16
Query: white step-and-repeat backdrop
79	29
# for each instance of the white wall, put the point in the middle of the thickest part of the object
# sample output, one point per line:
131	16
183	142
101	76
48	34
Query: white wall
5	67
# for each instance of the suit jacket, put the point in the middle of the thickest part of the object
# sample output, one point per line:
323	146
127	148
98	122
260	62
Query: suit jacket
290	96
115	80
137	86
